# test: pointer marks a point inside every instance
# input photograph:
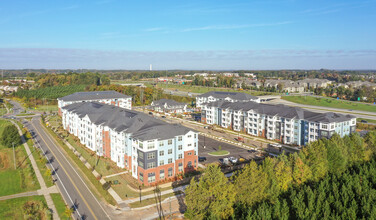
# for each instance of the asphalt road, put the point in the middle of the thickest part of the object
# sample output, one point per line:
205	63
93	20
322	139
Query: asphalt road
68	178
212	145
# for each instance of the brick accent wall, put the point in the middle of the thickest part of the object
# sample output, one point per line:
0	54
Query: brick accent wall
106	144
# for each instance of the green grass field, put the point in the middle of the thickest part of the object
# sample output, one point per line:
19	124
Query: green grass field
219	153
45	108
202	89
13	180
59	204
13	208
329	102
42	167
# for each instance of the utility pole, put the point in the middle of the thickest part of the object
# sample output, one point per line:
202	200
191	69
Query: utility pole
14	157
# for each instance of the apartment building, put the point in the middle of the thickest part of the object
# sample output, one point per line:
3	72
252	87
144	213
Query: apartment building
151	149
228	96
107	97
289	125
168	106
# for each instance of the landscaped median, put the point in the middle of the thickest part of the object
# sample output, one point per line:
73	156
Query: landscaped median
219	153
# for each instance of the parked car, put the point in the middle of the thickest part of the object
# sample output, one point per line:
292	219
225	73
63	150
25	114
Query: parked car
252	151
201	159
224	161
150	113
163	116
233	160
364	121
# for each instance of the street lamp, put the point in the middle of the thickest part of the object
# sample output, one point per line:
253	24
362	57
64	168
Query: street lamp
140	192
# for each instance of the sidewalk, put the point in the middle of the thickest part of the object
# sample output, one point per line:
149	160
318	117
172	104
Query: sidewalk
43	186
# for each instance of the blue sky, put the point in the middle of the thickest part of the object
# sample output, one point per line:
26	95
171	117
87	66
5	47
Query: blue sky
121	34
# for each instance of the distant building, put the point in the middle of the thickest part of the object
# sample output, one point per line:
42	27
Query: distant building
168	106
231	74
151	149
228	96
286	85
107	97
290	125
314	83
8	89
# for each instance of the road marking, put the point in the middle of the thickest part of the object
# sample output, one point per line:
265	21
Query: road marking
83	198
57	175
58	148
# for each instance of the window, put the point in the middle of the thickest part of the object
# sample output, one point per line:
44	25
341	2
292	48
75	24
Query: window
180	167
169	151
180	138
190	153
170	160
189	164
141	155
324	126
180	147
161	144
169	172
161	174
195	135
161	153
195	144
141	164
141	177
170	142
151	177
141	145
150	146
180	156
189	136
151	155
161	163
195	163
151	165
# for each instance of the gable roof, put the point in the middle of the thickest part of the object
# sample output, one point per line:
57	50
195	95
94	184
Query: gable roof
140	125
169	102
95	95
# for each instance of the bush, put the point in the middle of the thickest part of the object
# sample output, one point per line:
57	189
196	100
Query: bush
10	135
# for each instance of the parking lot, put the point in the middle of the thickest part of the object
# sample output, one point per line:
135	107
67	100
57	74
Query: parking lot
212	145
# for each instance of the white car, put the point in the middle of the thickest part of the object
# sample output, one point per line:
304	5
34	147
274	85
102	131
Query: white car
233	160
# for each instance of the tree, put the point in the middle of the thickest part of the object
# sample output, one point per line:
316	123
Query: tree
315	156
10	135
48	172
301	171
283	175
212	197
68	212
251	185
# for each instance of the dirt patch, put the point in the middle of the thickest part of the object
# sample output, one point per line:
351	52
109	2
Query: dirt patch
4	161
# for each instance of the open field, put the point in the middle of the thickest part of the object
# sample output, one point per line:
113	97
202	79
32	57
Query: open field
13	208
45	108
13	180
202	89
59	204
328	102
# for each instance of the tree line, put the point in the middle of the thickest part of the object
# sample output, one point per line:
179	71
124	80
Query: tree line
280	187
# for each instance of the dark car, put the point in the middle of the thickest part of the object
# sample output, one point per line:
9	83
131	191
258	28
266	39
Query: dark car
201	159
150	113
252	151
163	116
364	121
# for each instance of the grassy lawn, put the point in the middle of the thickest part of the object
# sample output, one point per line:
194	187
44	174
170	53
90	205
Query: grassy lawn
45	108
13	208
59	204
13	180
329	102
39	159
202	89
368	120
219	153
96	186
123	190
151	201
25	114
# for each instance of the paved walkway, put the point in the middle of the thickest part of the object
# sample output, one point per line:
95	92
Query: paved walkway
32	193
116	174
44	190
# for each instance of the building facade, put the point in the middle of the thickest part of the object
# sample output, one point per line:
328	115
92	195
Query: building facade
107	97
289	125
151	149
227	96
168	106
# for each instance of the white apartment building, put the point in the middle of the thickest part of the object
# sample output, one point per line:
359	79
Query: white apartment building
106	97
214	96
151	149
289	125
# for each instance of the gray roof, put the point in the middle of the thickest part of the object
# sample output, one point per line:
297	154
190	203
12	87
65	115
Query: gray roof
169	102
232	95
81	96
140	125
282	111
